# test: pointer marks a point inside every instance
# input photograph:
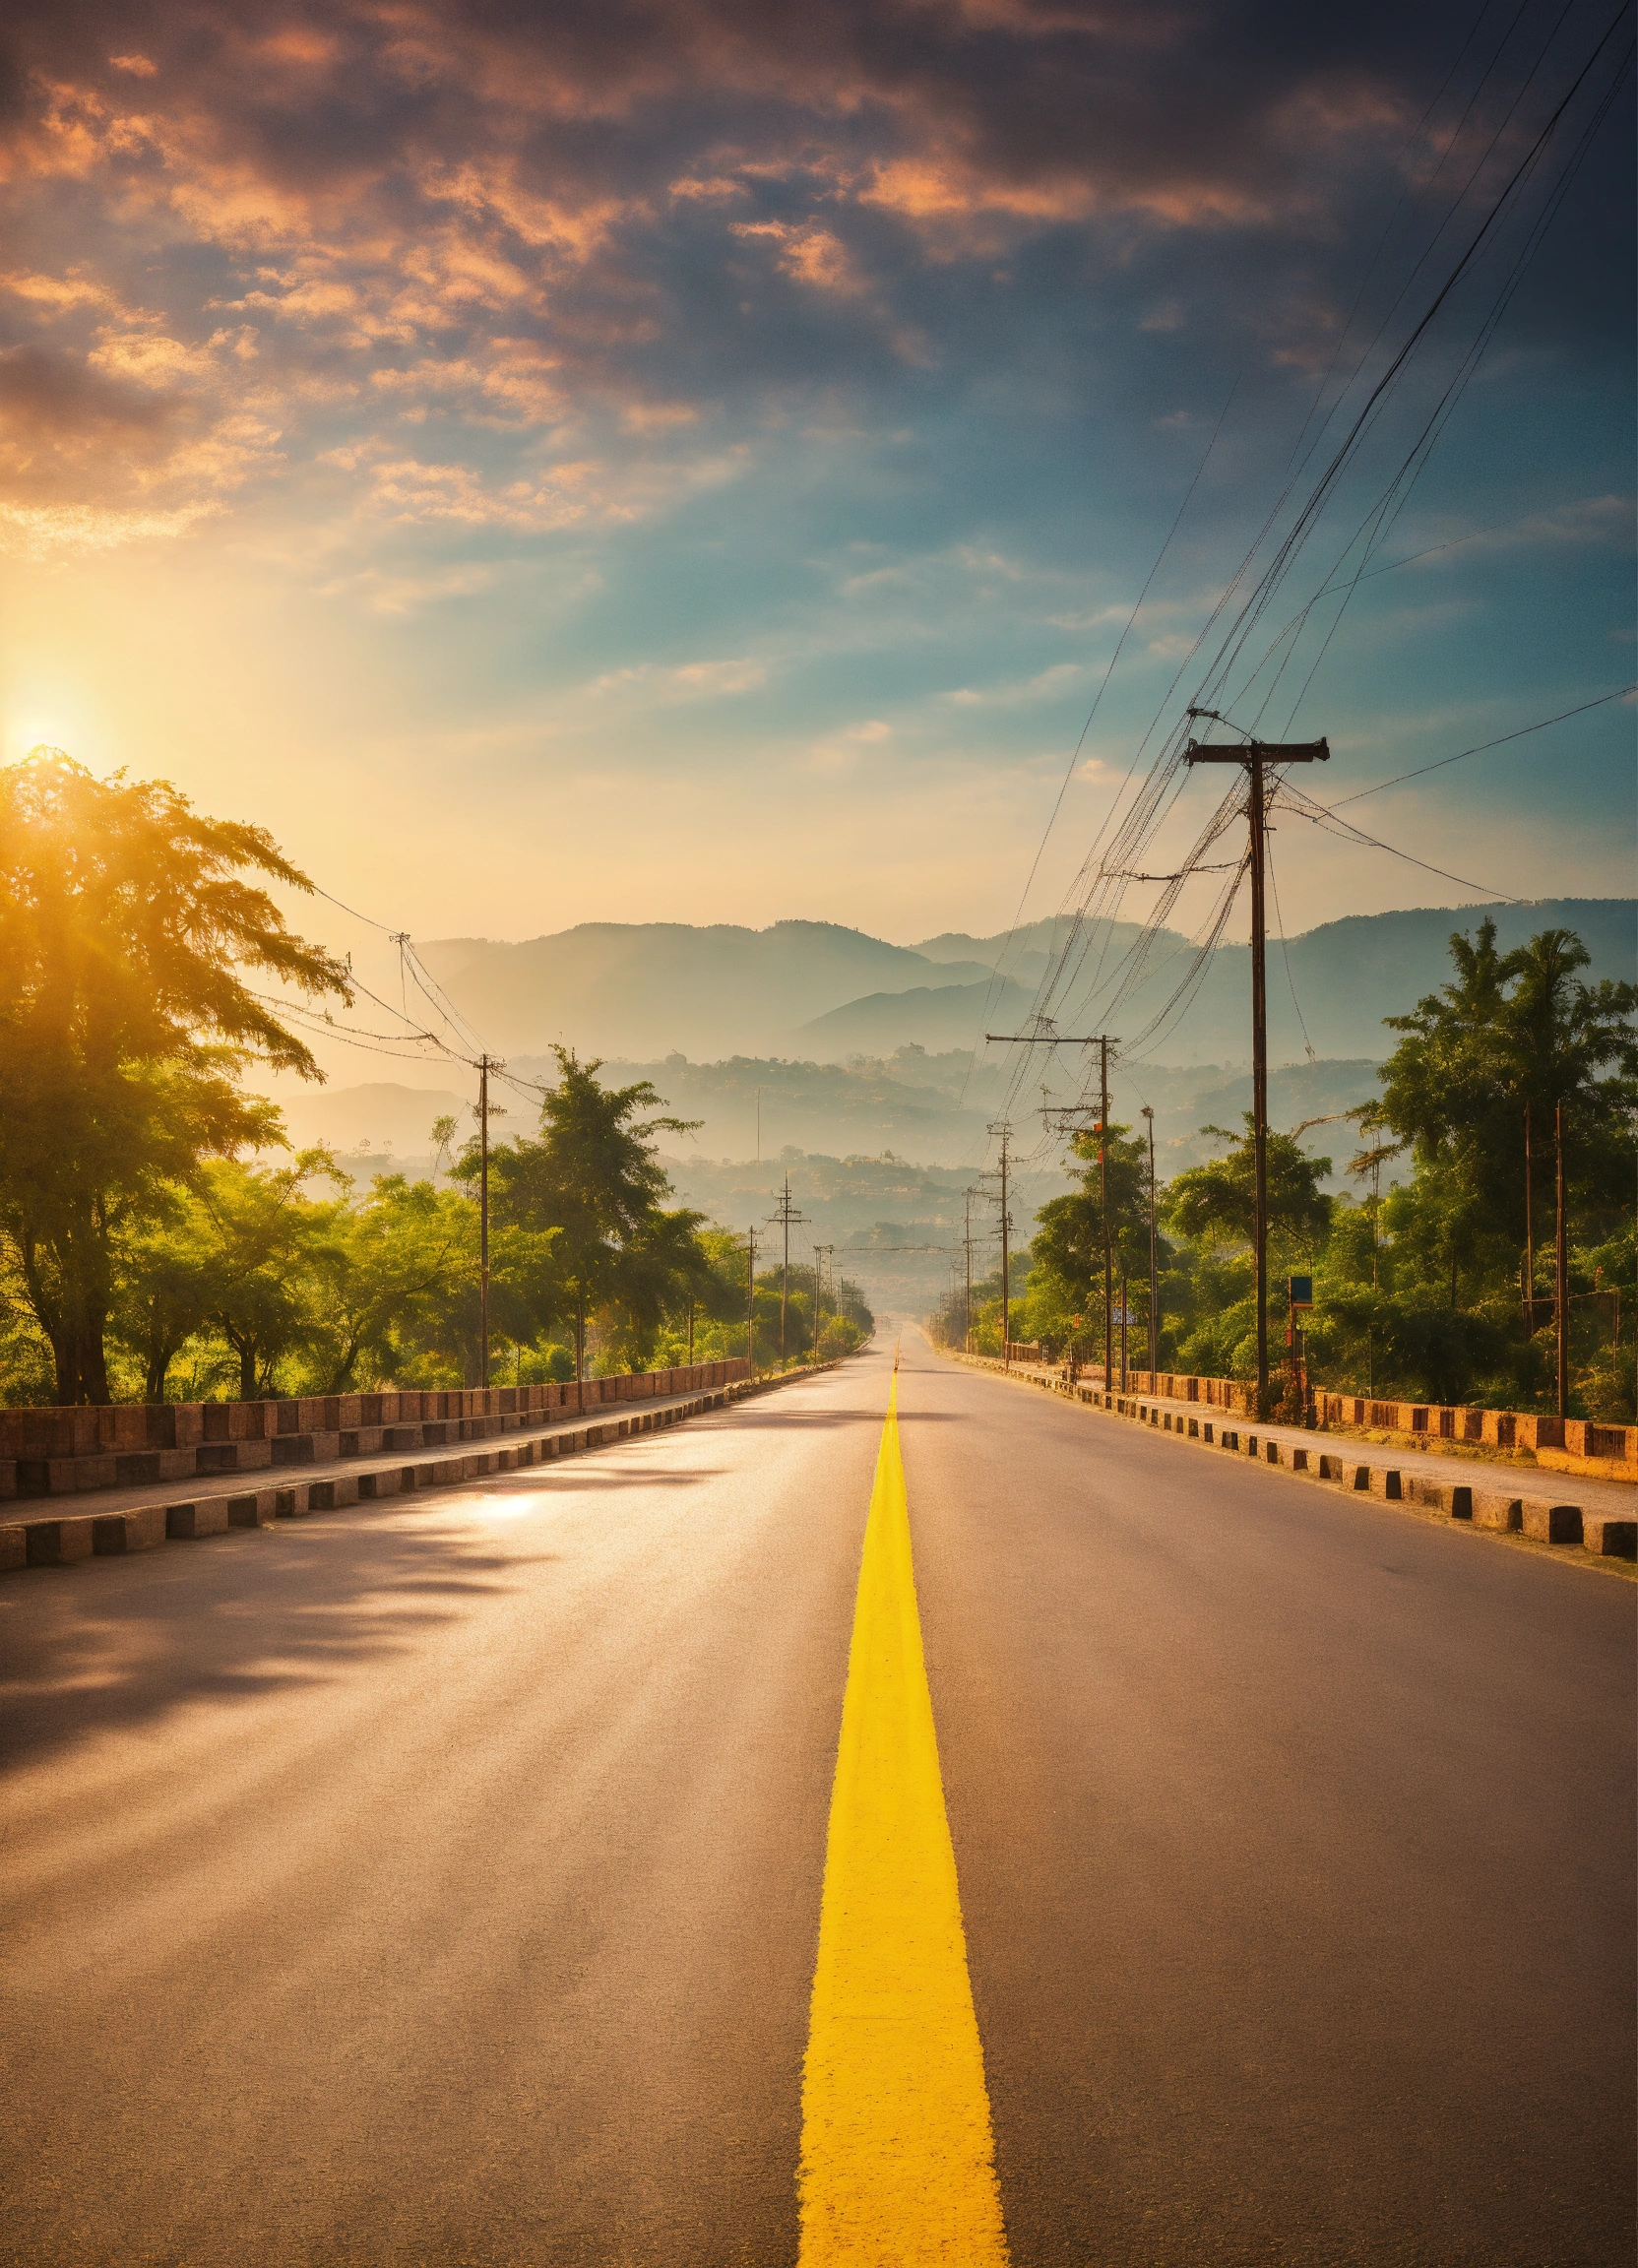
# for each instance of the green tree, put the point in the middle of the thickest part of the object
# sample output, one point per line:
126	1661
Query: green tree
166	1285
278	1256
590	1176
127	931
399	1277
662	1267
1516	1032
1066	1276
1219	1198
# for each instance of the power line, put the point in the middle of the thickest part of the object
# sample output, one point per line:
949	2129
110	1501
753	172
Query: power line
1063	789
1295	800
1523	734
1101	889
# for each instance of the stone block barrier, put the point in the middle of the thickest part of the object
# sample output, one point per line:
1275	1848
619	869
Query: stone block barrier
62	1538
1541	1519
45	1452
1564	1444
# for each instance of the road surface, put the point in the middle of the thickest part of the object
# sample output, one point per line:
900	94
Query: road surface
441	1882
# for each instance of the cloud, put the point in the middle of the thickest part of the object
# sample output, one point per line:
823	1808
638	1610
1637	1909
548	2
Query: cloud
1589	521
335	227
685	680
381	591
811	255
1048	684
45	530
839	755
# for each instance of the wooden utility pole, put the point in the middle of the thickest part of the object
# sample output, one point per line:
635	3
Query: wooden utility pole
1257	756
750	1300
483	1221
1528	1231
1563	1272
1102	1041
785	1218
967	1306
1154	1265
819	1252
1004	1130
1103	1211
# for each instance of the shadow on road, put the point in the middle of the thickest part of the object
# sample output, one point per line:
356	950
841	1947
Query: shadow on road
120	1644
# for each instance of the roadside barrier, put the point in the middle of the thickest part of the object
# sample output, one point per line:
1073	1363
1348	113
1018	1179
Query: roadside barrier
64	1538
1546	1519
47	1452
1576	1445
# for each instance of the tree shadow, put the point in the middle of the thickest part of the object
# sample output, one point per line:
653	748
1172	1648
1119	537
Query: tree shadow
123	1644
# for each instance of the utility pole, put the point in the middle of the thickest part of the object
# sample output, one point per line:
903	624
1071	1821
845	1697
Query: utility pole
818	1288
1528	1231
1154	1265
1003	1130
1257	756
967	1308
1103	1211
1103	1041
1562	1279
750	1300
485	1064
785	1218
690	1330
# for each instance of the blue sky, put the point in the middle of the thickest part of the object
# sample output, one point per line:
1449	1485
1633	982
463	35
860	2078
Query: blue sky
697	461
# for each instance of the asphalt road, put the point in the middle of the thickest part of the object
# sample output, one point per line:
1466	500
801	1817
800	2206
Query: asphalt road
441	1884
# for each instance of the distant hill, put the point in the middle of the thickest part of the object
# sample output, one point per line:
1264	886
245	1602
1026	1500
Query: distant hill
925	1016
1348	974
930	1108
816	990
645	988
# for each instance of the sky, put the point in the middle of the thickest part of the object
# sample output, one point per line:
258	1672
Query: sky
699	462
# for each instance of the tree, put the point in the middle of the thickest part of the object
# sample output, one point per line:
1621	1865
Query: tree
1219	1198
661	1268
1518	1032
126	933
593	1177
400	1286
1067	1253
166	1286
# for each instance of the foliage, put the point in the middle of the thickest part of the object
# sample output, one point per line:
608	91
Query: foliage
1220	1199
1517	1031
125	934
1420	1293
592	1182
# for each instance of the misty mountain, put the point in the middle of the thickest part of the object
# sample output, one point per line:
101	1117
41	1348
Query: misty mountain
925	1016
815	991
1328	989
934	1109
641	990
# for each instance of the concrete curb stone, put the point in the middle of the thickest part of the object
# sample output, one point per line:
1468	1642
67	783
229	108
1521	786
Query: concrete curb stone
73	1536
1541	1519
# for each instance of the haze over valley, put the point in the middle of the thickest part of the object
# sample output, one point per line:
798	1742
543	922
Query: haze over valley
859	1067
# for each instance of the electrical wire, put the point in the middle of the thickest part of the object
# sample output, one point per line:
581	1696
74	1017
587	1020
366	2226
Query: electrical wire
1101	886
1524	731
1293	799
1286	951
1075	757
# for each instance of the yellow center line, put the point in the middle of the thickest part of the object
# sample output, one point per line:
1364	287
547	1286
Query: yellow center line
898	2152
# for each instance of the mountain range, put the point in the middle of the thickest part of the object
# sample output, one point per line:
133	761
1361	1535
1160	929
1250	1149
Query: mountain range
816	992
